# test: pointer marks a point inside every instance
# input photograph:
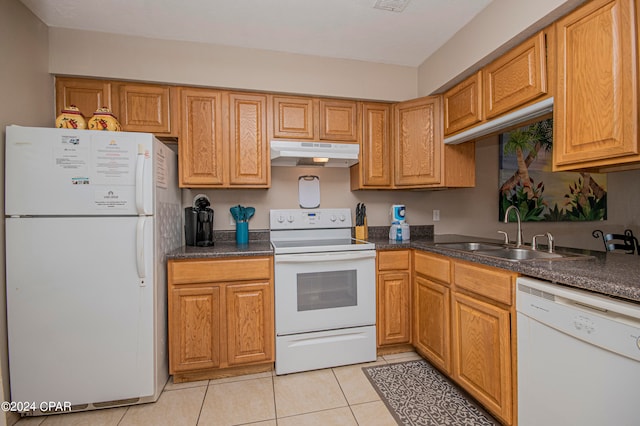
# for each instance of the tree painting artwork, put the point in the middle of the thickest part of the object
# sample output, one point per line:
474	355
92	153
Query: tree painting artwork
542	195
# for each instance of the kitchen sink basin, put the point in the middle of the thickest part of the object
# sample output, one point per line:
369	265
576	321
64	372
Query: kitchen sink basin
470	246
510	253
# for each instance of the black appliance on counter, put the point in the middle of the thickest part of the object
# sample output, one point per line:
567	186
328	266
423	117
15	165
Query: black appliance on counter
198	222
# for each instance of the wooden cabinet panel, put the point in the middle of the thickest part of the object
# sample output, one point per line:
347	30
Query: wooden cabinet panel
433	266
194	328
418	142
376	145
250	324
463	104
432	324
233	269
393	260
394	309
221	316
338	120
293	118
201	145
249	161
488	282
88	95
482	353
148	108
393	294
596	104
516	77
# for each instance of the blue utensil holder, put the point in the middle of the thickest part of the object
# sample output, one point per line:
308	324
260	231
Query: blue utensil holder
242	232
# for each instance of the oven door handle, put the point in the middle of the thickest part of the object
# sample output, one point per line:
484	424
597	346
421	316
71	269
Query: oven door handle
324	257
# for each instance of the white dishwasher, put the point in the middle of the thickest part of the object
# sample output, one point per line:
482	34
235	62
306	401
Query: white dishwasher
578	357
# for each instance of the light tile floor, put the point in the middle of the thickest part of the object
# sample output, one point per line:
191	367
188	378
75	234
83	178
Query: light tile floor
334	396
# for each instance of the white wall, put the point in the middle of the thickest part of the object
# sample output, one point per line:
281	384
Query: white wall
27	99
500	26
87	53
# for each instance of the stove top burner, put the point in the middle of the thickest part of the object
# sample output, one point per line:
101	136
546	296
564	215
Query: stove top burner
313	231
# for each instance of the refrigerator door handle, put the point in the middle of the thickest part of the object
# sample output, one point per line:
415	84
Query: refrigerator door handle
140	180
141	249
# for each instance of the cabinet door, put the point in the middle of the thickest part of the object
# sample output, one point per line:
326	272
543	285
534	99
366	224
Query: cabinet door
338	120
418	142
432	324
516	78
376	145
482	353
250	324
394	310
194	328
596	104
463	104
88	95
148	108
200	146
293	118
249	162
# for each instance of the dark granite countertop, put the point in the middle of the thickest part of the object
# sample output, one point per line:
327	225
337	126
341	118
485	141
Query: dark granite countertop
225	246
611	274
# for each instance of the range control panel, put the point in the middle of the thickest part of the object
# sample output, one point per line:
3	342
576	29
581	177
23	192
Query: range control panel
310	219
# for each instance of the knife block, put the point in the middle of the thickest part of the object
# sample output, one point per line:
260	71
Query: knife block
362	232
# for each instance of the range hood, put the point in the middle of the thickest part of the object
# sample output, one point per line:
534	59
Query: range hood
508	120
322	154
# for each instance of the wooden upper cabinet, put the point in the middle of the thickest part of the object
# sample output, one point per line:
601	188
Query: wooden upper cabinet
418	142
516	78
374	168
86	94
148	108
201	145
249	161
596	104
338	120
293	118
463	104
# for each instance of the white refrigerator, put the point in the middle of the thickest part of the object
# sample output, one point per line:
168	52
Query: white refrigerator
89	218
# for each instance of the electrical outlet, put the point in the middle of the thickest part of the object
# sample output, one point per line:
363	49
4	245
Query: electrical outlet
436	215
232	221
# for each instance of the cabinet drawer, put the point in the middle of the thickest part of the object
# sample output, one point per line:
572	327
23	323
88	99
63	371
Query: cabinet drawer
201	271
492	283
433	266
393	260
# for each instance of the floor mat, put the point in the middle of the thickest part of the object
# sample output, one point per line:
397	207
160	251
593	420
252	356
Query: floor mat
418	394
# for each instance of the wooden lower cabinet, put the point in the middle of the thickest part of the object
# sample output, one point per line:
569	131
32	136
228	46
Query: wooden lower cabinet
432	325
394	298
221	316
464	324
482	353
195	328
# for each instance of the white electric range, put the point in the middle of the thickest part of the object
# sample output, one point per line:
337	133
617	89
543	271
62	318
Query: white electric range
325	290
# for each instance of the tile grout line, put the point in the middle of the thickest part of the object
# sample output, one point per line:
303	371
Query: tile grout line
206	391
333	371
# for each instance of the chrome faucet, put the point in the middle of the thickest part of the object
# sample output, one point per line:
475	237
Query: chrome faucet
506	220
550	239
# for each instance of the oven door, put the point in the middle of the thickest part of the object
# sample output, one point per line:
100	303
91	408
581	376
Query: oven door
324	291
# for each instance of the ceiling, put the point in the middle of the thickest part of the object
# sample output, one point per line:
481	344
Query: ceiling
347	29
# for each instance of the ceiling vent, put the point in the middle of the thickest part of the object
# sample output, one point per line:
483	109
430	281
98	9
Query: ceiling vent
391	5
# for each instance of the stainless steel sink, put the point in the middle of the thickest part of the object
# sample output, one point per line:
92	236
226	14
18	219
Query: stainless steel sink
510	253
470	246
